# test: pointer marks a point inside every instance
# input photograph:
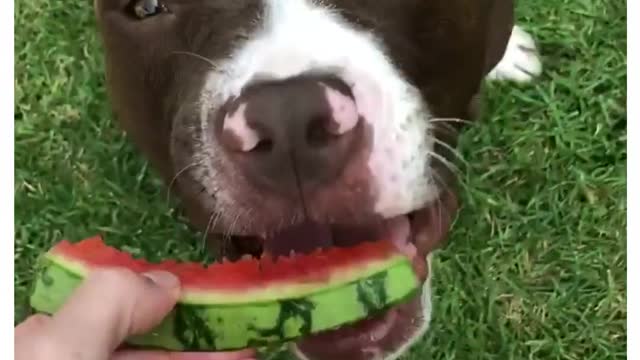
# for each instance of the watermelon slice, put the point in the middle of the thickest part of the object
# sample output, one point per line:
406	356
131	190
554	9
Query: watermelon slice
248	303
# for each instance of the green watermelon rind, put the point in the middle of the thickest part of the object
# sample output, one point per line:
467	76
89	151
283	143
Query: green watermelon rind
231	325
261	293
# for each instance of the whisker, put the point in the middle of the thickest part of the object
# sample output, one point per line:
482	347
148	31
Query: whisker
232	227
203	242
447	123
248	213
297	218
215	220
208	61
447	126
442	184
226	238
448	164
452	150
450	120
175	178
442	230
439	205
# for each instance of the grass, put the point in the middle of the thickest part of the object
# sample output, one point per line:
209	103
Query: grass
536	266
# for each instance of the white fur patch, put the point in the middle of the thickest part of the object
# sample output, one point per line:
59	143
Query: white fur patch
521	62
298	36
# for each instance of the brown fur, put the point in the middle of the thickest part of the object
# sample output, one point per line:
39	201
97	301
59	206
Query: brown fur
444	47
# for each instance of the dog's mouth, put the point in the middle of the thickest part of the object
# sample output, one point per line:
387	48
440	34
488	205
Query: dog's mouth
309	236
383	334
375	337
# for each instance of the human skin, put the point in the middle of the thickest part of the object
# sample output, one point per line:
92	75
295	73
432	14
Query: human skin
108	307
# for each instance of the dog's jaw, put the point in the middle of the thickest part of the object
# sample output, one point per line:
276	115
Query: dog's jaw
423	319
426	304
302	37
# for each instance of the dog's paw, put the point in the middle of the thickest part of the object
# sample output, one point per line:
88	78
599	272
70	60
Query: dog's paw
521	61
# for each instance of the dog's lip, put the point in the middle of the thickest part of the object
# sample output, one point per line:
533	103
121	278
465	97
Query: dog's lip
375	337
359	335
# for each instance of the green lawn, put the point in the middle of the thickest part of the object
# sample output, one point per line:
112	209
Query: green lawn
537	264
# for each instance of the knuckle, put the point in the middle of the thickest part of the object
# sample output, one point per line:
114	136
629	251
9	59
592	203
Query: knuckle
36	320
32	325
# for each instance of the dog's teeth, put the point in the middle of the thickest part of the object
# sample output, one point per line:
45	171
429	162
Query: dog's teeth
266	257
246	257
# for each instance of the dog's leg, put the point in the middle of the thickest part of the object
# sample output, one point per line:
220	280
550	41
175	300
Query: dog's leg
521	61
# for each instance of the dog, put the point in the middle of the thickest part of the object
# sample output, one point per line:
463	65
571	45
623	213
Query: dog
291	125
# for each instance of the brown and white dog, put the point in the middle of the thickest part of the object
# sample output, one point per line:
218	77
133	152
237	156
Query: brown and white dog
295	124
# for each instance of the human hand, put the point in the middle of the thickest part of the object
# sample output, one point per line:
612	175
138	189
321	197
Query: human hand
107	308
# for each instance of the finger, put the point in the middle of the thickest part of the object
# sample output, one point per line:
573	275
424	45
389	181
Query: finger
111	305
28	336
31	324
158	355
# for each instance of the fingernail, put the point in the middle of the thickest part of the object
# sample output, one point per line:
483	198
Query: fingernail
163	279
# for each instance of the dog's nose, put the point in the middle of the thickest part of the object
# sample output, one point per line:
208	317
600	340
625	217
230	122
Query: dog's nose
298	132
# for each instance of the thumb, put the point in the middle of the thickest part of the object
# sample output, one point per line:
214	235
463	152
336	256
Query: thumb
112	305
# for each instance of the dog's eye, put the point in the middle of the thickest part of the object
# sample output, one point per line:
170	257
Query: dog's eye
146	8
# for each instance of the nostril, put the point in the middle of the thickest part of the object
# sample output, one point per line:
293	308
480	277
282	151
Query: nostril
263	146
319	133
344	111
237	134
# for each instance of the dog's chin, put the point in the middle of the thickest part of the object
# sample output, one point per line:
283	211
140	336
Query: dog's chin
383	334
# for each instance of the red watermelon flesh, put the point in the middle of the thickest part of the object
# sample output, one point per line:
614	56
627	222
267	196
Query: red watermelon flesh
245	278
396	230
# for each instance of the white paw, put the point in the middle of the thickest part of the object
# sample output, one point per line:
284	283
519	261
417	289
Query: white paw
521	61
